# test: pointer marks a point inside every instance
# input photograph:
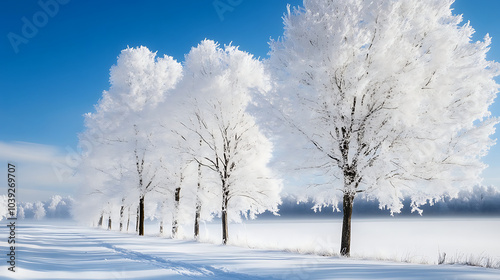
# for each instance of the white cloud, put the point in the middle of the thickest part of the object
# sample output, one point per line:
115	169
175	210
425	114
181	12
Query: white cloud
24	151
42	170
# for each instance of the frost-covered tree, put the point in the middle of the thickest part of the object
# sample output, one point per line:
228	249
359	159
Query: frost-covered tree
185	190
39	210
218	83
55	201
391	97
175	172
102	176
177	175
59	207
122	130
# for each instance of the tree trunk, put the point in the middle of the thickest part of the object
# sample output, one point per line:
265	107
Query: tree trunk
99	224
175	213
137	220
225	231
197	221
141	216
128	220
198	205
122	212
345	247
109	222
162	217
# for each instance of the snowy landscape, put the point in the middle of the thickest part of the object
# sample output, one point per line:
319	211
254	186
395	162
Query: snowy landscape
354	150
269	249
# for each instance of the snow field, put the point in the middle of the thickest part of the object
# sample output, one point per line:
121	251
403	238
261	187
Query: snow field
415	240
61	251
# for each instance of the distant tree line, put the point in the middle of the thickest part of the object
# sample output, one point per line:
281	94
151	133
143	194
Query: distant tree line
481	201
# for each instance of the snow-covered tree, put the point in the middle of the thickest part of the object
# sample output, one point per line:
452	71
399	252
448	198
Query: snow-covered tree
177	176
184	190
59	207
39	210
218	83
175	164
54	202
103	177
391	98
20	212
122	130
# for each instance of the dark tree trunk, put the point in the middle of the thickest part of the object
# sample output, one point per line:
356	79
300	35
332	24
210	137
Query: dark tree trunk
162	222
225	230
109	222
99	224
122	212
197	221
128	220
198	205
345	247
175	223
137	220
141	215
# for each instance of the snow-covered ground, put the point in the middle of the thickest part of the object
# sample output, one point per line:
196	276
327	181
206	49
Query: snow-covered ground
415	239
61	251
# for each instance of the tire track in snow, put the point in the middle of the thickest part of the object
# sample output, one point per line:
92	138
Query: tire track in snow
181	268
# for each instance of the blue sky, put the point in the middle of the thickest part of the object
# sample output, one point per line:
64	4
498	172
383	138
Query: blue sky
59	73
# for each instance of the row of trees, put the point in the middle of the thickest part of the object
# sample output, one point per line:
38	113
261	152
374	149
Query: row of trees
181	137
386	100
